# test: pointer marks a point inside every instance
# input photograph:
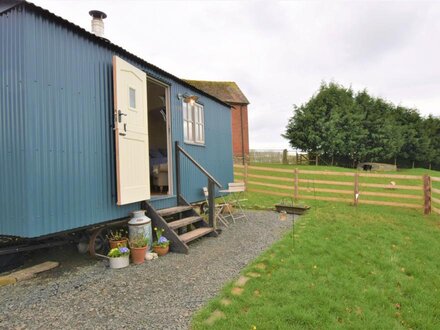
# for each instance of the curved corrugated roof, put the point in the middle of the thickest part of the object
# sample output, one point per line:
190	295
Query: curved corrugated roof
6	5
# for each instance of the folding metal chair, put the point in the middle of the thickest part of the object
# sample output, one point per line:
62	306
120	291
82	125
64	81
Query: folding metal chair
237	189
219	207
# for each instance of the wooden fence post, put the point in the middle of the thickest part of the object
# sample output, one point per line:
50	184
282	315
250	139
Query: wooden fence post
285	161
296	185
356	189
427	193
245	174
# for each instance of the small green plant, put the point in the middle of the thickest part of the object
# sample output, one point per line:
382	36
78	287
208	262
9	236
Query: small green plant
117	235
161	241
119	252
139	241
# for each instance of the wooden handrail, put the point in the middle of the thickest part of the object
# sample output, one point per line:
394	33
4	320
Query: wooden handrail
211	181
200	167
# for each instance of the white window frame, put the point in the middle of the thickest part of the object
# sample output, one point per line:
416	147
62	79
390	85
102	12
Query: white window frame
194	123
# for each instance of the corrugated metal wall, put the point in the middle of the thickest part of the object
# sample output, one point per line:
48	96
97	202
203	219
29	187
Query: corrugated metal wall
70	168
14	212
63	148
215	156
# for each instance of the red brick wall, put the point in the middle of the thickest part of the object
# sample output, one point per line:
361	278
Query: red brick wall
237	135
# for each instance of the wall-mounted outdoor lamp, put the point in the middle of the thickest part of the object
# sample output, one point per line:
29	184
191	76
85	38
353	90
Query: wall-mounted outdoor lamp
191	99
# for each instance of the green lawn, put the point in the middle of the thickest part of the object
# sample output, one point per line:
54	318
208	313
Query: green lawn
368	267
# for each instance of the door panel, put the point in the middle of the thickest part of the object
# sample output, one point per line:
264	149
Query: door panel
131	132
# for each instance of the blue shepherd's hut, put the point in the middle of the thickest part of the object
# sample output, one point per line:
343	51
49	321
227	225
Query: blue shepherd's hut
90	132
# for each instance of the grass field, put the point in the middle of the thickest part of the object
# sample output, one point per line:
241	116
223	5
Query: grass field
365	267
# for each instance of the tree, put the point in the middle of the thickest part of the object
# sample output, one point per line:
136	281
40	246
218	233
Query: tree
431	128
384	139
340	125
316	126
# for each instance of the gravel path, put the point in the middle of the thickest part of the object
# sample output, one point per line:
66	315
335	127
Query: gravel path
160	294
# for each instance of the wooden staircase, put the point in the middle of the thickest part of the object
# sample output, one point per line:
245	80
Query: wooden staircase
181	225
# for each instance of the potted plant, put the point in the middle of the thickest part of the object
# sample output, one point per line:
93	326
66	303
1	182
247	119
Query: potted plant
162	244
119	257
117	238
138	246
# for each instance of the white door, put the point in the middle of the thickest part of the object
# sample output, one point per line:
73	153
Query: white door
131	132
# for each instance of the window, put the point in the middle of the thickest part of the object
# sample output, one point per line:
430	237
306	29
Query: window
132	93
193	123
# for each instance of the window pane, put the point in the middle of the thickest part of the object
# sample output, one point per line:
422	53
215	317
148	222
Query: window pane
190	131
197	137
199	117
190	114
132	93
185	110
185	130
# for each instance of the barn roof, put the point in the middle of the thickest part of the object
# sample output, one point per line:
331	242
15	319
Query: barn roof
7	5
227	91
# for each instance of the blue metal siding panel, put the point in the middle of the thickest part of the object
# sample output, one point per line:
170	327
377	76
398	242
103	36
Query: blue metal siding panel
163	202
66	137
71	168
215	156
13	212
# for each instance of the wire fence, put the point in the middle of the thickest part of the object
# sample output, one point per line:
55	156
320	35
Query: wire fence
278	156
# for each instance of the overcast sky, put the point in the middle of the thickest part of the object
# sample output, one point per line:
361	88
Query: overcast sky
279	52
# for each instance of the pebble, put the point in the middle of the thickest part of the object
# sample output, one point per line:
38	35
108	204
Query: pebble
160	294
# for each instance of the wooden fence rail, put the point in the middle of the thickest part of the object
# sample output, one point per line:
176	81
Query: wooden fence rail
294	186
435	197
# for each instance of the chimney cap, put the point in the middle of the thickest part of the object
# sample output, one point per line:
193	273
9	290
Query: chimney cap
97	14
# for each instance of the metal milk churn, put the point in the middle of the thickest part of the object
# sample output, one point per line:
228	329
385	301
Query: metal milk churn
140	225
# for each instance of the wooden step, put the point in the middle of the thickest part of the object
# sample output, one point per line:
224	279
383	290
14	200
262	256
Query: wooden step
183	222
192	235
173	210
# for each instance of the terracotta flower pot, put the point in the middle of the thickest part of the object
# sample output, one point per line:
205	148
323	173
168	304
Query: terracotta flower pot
115	244
161	251
138	254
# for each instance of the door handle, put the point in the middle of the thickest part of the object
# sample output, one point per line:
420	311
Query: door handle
120	114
